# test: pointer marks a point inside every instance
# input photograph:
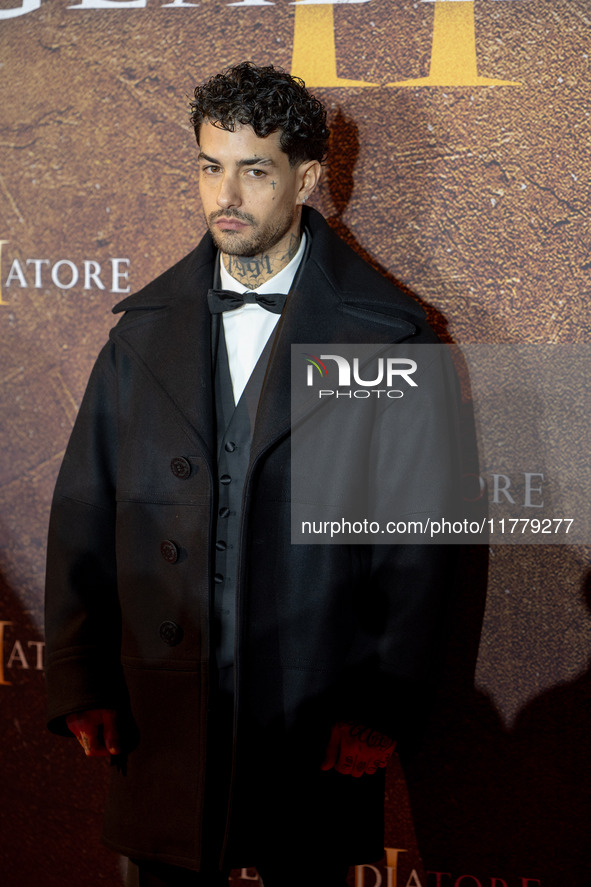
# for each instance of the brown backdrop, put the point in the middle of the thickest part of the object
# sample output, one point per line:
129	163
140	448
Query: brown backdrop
459	166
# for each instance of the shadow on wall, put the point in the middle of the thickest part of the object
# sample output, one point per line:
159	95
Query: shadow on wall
459	708
488	802
550	744
343	156
344	152
51	797
511	804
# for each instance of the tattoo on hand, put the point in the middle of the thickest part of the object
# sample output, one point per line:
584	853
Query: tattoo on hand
370	737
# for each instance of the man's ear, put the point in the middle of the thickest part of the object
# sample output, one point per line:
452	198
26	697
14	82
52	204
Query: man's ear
310	172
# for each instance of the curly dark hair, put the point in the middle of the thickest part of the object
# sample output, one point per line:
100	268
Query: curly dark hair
268	99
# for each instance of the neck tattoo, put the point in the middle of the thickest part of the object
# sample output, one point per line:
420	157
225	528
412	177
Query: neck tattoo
252	271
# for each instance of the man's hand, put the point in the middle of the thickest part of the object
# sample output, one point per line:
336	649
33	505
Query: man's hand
96	731
354	749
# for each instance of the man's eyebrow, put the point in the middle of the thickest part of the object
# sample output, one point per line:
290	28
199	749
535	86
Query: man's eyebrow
249	161
257	161
202	156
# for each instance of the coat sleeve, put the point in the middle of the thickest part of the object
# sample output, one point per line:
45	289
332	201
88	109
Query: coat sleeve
83	622
418	454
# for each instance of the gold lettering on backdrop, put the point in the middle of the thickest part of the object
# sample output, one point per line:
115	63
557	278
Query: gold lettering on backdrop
2	302
314	50
453	54
3	682
392	865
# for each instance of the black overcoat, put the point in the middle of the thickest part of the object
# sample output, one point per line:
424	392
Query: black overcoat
327	632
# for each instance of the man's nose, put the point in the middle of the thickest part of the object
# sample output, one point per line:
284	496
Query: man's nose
229	192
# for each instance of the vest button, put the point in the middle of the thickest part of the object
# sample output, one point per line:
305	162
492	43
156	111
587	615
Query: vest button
218	578
229	446
224	511
225	479
221	545
170	633
180	467
169	551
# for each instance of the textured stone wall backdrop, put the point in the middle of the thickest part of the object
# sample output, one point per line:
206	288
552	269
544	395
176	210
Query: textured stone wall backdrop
460	166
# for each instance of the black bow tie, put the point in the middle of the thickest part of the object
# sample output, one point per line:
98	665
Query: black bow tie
226	300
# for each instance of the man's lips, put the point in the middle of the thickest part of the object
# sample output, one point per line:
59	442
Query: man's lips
230	224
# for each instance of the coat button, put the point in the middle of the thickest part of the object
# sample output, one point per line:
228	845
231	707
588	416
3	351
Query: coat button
221	545
170	633
229	446
224	511
180	467
169	551
218	578
225	479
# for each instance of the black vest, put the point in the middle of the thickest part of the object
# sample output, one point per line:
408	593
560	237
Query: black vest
235	424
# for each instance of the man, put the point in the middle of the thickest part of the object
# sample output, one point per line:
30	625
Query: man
248	691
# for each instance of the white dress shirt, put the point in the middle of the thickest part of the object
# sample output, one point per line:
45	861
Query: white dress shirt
247	329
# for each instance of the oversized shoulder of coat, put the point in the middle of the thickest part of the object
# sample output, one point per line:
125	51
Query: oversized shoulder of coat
357	288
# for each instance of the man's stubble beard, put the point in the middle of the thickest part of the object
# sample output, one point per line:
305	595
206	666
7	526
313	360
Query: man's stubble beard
257	242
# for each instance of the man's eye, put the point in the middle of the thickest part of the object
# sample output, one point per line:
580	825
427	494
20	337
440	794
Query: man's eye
211	169
257	173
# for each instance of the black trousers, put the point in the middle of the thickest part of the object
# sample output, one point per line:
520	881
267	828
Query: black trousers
296	869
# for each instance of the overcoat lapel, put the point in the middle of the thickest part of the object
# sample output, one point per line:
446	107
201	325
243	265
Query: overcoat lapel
167	329
303	320
319	310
